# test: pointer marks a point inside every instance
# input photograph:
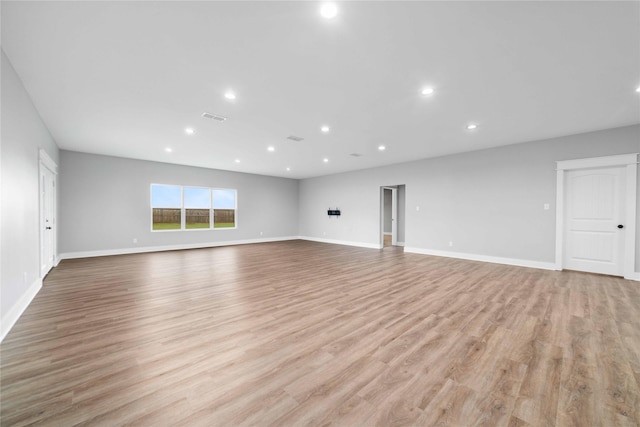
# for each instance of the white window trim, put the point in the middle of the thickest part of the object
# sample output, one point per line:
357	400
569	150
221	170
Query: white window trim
184	209
235	208
151	208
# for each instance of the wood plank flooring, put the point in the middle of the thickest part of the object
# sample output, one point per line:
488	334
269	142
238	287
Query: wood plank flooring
300	333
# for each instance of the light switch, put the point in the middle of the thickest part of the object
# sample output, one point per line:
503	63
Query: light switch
417	208
546	206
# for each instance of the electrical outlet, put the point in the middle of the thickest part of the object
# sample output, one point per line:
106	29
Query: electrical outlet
135	240
324	233
261	233
25	278
546	206
450	243
417	208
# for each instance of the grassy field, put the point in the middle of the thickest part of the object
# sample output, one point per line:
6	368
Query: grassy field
198	225
176	225
224	225
167	226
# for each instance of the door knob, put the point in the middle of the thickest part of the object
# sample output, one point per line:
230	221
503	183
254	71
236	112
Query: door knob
620	226
48	228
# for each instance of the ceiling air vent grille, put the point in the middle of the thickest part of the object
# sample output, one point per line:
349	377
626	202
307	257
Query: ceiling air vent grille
214	117
355	155
295	138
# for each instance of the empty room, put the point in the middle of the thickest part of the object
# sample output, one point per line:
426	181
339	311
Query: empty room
301	213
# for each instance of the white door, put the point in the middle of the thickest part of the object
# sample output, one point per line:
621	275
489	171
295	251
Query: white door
594	220
47	220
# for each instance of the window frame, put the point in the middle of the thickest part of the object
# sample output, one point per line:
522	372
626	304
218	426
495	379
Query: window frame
235	209
184	209
182	218
183	213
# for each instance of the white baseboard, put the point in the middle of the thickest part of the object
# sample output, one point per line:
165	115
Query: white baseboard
635	276
144	249
484	258
341	242
399	243
12	316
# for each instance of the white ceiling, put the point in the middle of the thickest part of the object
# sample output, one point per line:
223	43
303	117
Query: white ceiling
126	78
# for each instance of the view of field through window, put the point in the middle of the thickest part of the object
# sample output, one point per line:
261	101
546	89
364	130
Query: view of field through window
197	204
166	202
185	208
224	208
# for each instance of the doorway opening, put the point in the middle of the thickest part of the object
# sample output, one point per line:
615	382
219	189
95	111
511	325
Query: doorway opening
392	215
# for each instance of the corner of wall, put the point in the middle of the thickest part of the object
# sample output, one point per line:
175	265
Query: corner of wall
12	316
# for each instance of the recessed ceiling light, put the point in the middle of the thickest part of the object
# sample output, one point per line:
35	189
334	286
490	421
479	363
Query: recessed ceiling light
328	10
472	126
168	150
325	160
237	160
325	129
288	169
638	89
189	131
271	148
230	95
381	147
427	91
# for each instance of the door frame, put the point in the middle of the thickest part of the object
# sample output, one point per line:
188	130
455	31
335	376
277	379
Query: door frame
394	215
46	162
630	162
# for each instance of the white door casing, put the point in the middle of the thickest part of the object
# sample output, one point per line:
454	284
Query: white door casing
594	197
394	216
48	226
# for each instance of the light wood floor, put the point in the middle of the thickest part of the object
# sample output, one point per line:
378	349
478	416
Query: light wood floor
301	333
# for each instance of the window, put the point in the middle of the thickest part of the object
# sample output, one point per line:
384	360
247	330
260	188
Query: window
197	206
166	205
224	208
174	207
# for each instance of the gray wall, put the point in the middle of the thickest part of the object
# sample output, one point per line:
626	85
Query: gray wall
387	210
105	204
487	202
23	134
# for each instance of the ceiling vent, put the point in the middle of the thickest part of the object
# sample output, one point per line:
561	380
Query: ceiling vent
295	138
355	155
213	116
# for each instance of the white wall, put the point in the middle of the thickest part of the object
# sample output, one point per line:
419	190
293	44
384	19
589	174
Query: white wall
23	134
489	203
105	204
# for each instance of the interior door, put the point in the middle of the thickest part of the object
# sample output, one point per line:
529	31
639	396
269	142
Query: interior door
47	220
594	214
